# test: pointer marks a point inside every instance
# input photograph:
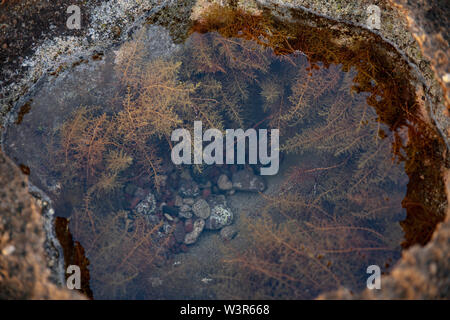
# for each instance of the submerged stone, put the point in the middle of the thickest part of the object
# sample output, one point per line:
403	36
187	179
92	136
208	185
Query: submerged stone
245	180
201	209
224	183
220	217
188	188
192	236
146	206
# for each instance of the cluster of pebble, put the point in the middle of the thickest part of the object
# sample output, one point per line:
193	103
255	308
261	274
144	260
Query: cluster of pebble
189	203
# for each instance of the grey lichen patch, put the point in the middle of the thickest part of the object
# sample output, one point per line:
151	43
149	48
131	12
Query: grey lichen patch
176	18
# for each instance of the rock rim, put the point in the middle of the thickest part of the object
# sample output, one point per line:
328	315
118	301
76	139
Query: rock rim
46	51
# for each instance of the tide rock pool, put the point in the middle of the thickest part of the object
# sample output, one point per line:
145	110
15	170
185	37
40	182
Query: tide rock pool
353	151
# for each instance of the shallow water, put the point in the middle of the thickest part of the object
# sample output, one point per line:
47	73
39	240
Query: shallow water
97	140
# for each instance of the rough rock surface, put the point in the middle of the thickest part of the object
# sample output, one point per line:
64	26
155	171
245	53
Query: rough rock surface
429	23
23	271
192	236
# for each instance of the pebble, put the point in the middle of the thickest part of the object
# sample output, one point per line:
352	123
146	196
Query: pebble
220	217
147	206
179	233
188	225
206	185
170	210
140	193
168	217
186	174
245	180
224	183
188	201
188	189
206	193
228	233
201	209
185	211
178	201
192	237
185	208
